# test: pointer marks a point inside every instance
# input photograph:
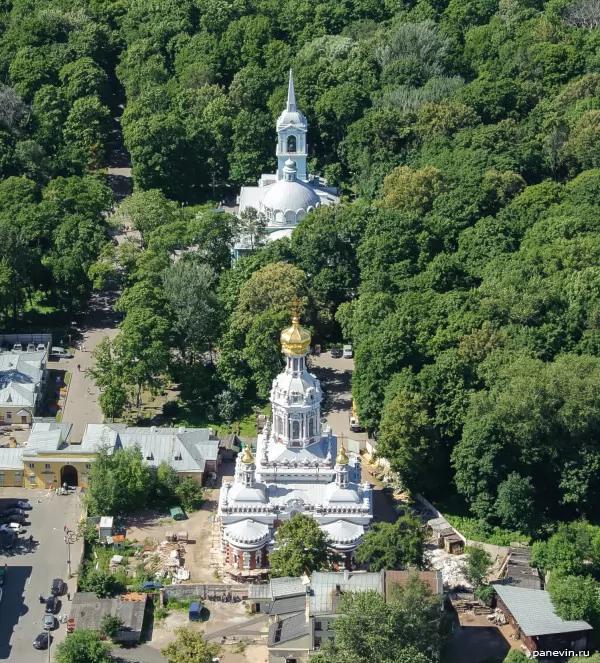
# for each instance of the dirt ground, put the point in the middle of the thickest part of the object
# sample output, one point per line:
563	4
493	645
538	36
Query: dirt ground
199	527
229	623
477	640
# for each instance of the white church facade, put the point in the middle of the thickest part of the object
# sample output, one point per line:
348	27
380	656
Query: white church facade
297	468
285	198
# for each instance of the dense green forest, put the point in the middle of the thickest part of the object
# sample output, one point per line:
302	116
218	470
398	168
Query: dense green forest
463	263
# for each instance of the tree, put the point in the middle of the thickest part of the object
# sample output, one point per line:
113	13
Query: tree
190	289
110	625
575	597
407	628
83	646
190	493
300	544
112	401
407	437
478	565
167	481
145	211
190	647
393	545
119	482
515	656
102	583
515	503
253	227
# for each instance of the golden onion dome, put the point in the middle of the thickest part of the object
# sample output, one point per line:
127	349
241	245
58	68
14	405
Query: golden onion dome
247	457
295	340
342	457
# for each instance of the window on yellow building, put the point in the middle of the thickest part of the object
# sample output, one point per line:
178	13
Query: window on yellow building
32	466
32	479
1	477
47	466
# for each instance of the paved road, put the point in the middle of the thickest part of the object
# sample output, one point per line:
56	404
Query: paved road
30	570
336	380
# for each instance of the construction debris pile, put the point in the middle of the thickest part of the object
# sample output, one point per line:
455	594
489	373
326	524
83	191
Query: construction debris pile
497	617
166	560
451	566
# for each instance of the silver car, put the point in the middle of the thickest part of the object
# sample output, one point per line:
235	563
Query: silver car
48	622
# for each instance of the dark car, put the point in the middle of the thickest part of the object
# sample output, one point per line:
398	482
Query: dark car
13	518
20	504
13	511
51	605
41	642
58	587
336	352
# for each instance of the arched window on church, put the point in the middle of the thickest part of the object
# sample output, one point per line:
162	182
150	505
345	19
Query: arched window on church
295	430
291	144
278	425
311	427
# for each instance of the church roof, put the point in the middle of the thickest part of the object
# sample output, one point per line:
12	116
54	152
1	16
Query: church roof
342	531
290	195
291	114
247	531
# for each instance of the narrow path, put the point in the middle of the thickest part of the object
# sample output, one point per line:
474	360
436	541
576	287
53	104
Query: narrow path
101	321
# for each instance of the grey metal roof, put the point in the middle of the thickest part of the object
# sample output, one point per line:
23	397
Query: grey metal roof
288	605
87	610
184	449
259	592
10	459
286	587
324	595
20	374
534	612
288	629
518	571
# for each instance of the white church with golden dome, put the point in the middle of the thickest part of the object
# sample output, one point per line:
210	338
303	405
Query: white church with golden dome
287	196
297	468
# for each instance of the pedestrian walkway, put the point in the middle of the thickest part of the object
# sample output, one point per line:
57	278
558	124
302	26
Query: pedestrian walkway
82	405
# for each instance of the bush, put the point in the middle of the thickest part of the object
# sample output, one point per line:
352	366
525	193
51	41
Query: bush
190	494
110	625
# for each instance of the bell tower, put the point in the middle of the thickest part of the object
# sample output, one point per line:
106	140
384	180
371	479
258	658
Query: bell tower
292	130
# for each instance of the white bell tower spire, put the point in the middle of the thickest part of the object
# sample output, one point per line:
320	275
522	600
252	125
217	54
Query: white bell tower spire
292	129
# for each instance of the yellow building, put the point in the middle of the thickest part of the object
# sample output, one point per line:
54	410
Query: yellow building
48	460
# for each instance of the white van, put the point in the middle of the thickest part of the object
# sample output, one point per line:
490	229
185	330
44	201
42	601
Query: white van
60	353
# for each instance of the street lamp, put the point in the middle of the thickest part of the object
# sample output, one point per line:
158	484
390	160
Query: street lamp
70	538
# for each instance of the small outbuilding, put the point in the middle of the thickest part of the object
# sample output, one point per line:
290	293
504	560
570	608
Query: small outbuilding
531	613
105	528
87	611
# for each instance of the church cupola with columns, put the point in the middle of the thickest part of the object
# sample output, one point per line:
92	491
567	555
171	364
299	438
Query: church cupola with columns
292	128
341	467
247	468
296	394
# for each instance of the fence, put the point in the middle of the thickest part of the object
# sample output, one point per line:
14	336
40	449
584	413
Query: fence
11	339
204	591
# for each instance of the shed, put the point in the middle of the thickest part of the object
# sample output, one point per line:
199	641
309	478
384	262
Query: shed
531	613
454	544
106	527
87	611
117	541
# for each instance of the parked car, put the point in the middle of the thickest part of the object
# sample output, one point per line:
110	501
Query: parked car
20	504
336	351
15	528
51	605
31	347
7	539
41	642
60	353
58	587
2	574
13	511
17	347
41	347
48	622
355	426
14	518
348	352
